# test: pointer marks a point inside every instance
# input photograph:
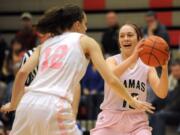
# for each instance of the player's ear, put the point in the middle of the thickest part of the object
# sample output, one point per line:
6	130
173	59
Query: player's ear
76	26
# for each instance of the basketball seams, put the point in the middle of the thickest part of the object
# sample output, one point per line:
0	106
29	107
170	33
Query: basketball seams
156	49
145	54
151	51
156	58
154	52
157	39
152	55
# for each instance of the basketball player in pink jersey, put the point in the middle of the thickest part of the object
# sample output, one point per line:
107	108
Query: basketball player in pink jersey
45	107
117	116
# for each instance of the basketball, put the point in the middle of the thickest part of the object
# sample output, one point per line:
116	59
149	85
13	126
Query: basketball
155	51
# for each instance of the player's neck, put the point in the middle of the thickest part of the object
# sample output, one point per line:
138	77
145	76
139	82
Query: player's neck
125	56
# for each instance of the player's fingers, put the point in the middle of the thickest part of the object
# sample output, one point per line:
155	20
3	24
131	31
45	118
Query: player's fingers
148	109
145	106
149	105
139	49
140	44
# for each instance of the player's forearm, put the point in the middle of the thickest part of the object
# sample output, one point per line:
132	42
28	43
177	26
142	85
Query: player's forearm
120	90
18	88
163	83
122	67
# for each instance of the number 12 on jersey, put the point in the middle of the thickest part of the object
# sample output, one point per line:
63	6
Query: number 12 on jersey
53	61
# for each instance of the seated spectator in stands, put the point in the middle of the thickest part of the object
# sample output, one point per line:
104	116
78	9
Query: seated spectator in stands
92	86
92	82
109	38
3	47
12	60
170	114
3	87
10	67
2	129
27	33
174	72
154	27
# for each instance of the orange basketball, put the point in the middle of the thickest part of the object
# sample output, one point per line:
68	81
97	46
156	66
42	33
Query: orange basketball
155	51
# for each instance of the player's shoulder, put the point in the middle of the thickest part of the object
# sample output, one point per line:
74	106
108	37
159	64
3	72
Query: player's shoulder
27	55
113	59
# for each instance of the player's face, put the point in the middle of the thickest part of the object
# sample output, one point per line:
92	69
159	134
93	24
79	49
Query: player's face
175	71
127	39
80	26
150	20
83	25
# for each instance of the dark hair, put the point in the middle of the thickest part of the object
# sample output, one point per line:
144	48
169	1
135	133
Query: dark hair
137	30
56	20
15	40
151	13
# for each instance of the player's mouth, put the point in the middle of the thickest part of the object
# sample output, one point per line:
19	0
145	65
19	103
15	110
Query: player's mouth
127	45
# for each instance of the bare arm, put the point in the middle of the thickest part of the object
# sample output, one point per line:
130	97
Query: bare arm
119	69
21	76
75	104
91	48
159	86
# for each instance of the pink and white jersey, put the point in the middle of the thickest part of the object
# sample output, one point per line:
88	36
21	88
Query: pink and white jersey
135	80
62	64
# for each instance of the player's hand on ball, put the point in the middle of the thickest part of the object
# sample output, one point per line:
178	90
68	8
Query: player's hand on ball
138	48
8	107
166	63
144	106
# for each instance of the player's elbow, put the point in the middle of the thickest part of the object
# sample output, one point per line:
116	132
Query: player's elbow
162	95
112	81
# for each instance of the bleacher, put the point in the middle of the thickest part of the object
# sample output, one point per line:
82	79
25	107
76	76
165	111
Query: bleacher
168	12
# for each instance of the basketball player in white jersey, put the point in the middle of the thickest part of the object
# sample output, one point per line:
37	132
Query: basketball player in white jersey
117	116
31	76
44	108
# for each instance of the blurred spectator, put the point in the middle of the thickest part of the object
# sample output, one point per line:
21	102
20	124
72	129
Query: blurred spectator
175	73
92	82
3	47
170	114
110	36
27	34
154	27
2	128
92	86
12	61
3	86
10	67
